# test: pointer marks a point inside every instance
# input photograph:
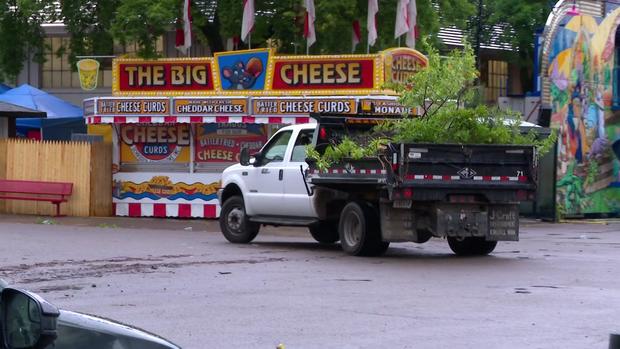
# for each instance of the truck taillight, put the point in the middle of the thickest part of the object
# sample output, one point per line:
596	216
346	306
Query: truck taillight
407	193
525	195
322	134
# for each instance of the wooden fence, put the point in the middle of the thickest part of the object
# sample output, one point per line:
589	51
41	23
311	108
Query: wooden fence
3	146
88	166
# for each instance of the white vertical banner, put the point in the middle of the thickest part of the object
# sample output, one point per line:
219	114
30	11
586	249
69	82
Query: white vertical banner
413	24
247	23
371	22
309	32
401	25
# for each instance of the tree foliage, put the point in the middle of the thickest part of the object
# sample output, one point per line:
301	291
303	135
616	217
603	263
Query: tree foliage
88	23
446	84
21	35
444	91
95	25
143	22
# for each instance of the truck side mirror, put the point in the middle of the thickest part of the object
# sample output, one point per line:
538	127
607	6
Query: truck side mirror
29	322
244	157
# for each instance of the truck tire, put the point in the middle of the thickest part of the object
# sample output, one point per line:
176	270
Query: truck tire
471	246
360	231
325	232
235	224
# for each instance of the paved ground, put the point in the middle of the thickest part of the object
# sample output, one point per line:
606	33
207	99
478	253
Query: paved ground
556	288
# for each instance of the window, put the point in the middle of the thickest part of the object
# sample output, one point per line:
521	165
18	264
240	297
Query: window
299	150
57	71
274	151
497	80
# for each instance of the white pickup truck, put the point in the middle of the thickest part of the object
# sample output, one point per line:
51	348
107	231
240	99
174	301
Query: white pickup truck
271	190
467	194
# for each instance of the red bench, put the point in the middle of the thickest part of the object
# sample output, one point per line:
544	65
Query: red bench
54	192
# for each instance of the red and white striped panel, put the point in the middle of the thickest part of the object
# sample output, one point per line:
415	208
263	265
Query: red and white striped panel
196	119
167	210
475	178
343	171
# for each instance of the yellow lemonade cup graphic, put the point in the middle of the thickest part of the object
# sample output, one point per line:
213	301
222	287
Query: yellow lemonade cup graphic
88	69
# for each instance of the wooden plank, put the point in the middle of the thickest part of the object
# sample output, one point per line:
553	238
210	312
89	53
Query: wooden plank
101	179
3	146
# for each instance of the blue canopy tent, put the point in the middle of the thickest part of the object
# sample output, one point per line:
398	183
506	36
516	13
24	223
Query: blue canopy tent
4	88
63	118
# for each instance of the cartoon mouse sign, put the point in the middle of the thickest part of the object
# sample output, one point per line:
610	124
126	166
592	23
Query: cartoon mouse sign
242	71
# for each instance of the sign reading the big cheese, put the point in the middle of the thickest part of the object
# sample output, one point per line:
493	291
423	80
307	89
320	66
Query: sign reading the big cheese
260	72
169	76
323	74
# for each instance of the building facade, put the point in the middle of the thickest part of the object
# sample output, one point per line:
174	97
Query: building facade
581	94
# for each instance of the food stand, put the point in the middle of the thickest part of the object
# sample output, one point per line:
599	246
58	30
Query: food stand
178	123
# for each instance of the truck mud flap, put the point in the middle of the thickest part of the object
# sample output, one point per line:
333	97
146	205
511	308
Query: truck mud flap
497	222
398	224
504	222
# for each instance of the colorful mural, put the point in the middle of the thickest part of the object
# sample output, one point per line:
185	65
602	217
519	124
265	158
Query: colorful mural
162	187
585	78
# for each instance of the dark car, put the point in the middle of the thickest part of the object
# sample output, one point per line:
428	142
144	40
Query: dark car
30	322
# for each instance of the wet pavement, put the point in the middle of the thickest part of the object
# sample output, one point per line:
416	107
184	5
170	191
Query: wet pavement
556	288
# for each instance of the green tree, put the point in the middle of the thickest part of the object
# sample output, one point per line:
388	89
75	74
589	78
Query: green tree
521	19
144	22
88	23
518	21
447	83
21	35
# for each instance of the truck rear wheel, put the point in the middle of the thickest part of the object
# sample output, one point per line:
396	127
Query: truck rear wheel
360	231
471	246
234	222
325	232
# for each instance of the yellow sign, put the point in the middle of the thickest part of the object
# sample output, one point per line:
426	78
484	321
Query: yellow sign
262	73
88	71
401	63
128	106
210	106
293	106
155	143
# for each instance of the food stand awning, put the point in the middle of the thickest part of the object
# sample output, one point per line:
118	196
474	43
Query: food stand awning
16	111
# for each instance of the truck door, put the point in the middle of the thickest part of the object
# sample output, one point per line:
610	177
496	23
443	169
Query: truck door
296	201
264	194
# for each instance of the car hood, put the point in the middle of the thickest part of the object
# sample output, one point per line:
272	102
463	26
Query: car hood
77	330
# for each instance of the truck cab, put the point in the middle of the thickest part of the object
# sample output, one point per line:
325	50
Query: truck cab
270	188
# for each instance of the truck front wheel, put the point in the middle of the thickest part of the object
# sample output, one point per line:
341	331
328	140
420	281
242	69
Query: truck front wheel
471	246
325	232
360	231
234	222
